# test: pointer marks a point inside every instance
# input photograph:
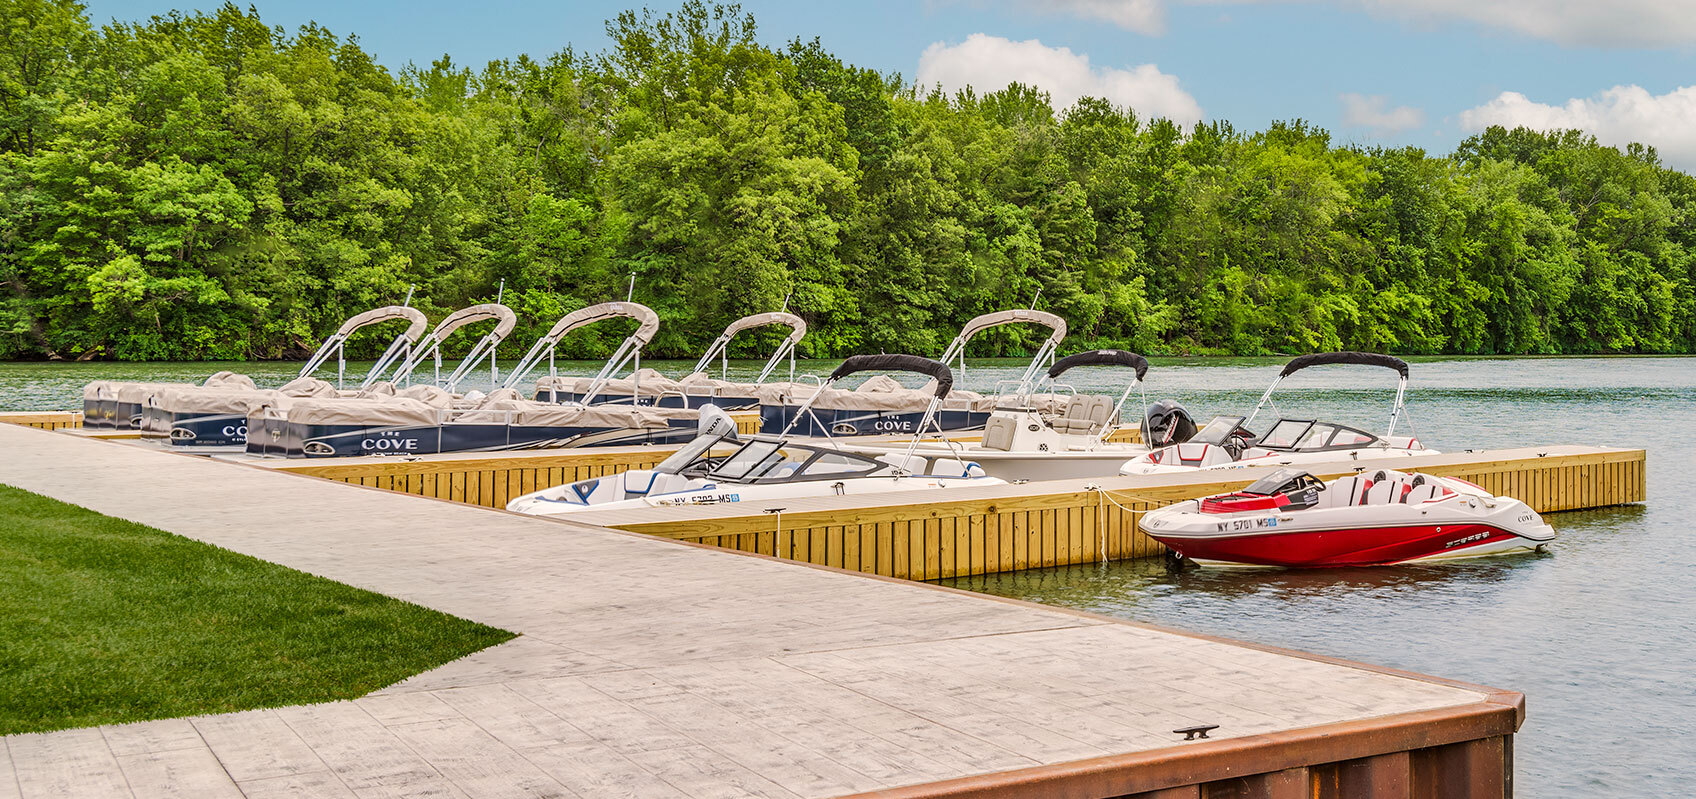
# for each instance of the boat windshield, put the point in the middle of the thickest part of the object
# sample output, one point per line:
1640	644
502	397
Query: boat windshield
688	456
1283	481
1285	434
752	460
1217	431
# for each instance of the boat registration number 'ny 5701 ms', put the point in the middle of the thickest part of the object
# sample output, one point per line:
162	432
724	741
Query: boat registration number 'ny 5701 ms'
701	499
1241	525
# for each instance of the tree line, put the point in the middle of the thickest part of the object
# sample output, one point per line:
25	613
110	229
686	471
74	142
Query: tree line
202	185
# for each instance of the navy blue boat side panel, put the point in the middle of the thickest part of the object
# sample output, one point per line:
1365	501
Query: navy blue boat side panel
215	430
774	418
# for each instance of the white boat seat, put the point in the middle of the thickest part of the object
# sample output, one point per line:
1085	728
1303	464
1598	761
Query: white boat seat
951	467
1388	490
1086	414
998	433
1343	492
1421	493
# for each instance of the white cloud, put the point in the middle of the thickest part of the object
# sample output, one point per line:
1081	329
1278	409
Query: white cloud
1617	23
1141	16
989	63
1617	117
1370	111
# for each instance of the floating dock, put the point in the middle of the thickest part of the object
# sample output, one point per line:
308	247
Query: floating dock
650	667
964	531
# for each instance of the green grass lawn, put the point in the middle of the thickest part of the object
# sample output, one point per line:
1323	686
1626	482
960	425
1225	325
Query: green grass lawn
103	620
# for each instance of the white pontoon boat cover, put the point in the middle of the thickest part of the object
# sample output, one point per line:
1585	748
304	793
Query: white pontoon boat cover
384	314
202	400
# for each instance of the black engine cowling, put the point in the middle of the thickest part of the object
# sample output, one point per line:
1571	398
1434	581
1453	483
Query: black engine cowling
1167	423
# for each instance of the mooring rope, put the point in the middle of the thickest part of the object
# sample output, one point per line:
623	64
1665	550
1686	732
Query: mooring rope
1103	497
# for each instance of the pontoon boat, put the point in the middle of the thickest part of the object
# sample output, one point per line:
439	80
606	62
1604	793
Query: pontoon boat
882	406
699	387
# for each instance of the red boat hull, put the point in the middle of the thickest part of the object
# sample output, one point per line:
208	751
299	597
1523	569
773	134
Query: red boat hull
1361	546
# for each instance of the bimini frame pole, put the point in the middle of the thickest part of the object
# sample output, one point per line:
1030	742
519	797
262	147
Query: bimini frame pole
1396	410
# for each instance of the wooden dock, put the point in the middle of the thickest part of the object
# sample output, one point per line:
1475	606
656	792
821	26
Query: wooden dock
649	667
958	532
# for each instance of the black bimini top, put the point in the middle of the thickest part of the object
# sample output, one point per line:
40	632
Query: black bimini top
1100	358
1354	358
898	363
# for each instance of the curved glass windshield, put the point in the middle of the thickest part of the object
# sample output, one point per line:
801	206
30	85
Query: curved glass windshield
1285	434
752	460
1217	430
689	455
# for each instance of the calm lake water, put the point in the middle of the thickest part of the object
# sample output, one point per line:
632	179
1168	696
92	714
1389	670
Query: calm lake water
1600	633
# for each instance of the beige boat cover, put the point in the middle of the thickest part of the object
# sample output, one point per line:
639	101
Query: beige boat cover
384	314
795	323
651	384
999	318
506	320
204	400
650	321
528	413
386	412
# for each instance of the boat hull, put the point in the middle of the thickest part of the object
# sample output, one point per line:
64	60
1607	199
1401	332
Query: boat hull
293	440
1365	546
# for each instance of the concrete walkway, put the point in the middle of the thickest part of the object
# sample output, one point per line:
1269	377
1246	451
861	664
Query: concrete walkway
645	667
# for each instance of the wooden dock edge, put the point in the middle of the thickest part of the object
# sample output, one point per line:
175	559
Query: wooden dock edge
43	420
1464	751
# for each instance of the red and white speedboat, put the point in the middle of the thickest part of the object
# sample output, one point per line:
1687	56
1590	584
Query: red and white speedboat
1290	518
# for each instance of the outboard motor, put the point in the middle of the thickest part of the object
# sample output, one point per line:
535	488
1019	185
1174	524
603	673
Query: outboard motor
1167	423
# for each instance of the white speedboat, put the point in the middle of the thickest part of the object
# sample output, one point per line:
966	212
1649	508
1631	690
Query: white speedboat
717	467
1228	443
1025	442
1290	518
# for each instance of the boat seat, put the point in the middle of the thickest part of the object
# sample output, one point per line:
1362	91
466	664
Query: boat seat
1386	491
1343	492
1086	414
998	433
1420	493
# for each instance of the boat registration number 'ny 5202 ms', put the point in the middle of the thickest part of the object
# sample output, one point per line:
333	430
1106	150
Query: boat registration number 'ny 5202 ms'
701	499
1241	525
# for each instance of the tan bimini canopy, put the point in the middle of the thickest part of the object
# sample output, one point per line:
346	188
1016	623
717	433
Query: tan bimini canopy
650	321
997	319
797	327
630	349
384	314
431	346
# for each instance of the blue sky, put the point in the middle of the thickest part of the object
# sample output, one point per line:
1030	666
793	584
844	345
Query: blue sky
1421	72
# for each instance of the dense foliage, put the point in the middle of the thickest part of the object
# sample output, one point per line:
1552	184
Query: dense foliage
203	186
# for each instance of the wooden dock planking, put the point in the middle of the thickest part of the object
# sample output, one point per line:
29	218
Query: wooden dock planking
979	530
44	420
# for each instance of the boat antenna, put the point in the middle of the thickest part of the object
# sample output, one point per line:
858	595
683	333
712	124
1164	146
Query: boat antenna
500	292
1037	297
786	301
408	302
630	292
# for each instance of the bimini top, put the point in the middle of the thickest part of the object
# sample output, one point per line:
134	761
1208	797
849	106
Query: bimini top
650	321
384	314
1354	358
900	363
998	318
793	322
506	320
1100	358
